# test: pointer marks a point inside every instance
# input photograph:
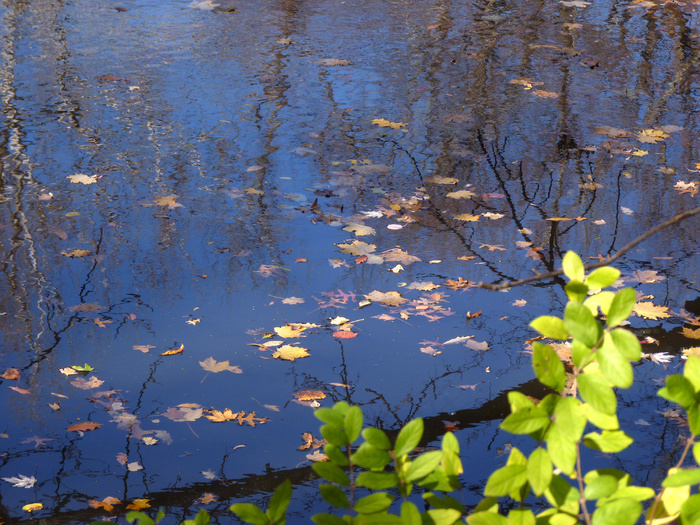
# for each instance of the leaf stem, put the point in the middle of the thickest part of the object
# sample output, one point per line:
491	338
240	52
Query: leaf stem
579	477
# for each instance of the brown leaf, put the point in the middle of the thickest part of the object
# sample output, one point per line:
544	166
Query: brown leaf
10	373
86	307
83	427
76	253
311	442
545	94
174	351
168	200
383	123
250	419
400	256
107	503
389	298
143	348
211	365
309	395
219	417
208	497
86	384
102	323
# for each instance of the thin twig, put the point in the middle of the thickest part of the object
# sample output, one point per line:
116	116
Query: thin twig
543	276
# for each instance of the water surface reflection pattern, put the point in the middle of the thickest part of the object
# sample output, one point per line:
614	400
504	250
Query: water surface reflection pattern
221	155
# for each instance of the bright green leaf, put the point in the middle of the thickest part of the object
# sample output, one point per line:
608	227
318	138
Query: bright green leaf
600	419
330	416
486	518
441	516
336	455
353	423
250	513
595	389
576	291
377	502
570	414
423	465
525	421
539	470
619	512
377	438
581	324
506	480
609	441
691	371
331	472
368	456
409	437
602	277
682	477
521	517
327	519
334	435
280	501
377	480
614	366
410	515
679	390
563	496
600	487
561	448
334	496
573	266
550	326
621	306
548	367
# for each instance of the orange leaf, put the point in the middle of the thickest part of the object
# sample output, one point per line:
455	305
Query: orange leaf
309	395
344	334
138	504
10	373
175	350
558	219
83	427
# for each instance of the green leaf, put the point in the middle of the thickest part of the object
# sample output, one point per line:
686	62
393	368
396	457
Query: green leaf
334	435
334	496
143	518
85	368
441	516
600	419
690	510
409	437
423	465
202	518
552	517
609	441
539	471
377	519
682	478
521	517
619	512
506	480
486	518
550	326
626	342
621	306
696	453
249	513
548	367
331	472
595	389
336	455
561	448
581	324
448	502
573	266
487	505
602	277
614	366
693	412
563	496
377	502
601	300
570	414
280	499
691	371
518	401
635	493
450	443
377	438
330	416
600	487
410	515
327	519
353	423
525	420
377	480
516	457
576	291
679	390
369	457
579	353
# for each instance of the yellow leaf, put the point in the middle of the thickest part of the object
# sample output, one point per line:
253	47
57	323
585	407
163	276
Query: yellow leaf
175	350
211	365
652	136
462	194
253	191
467	217
692	351
138	504
648	310
359	229
219	417
442	180
383	123
288	331
82	178
690	333
32	507
558	219
640	153
76	253
290	353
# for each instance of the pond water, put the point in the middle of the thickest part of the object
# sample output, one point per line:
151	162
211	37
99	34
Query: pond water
177	176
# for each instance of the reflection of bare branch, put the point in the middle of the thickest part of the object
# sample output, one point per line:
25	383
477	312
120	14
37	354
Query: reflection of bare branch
604	262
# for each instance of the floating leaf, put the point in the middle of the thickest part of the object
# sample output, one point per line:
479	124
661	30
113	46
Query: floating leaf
383	123
32	507
309	395
11	374
140	503
468	217
20	390
83	427
359	229
333	62
462	194
545	94
168	200
344	334
106	504
122	458
211	365
290	353
293	300
184	412
493	216
86	384
442	180
357	248
289	331
76	253
219	417
652	136
82	178
389	298
175	351
648	310
21	481
400	256
143	348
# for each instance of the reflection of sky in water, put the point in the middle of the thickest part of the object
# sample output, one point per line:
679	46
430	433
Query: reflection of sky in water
247	132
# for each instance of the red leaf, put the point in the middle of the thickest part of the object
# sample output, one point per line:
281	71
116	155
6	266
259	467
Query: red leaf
345	334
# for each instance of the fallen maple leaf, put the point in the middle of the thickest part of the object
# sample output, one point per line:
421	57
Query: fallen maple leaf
207	498
652	136
690	333
138	504
493	247
357	248
21	481
519	302
211	365
168	200
459	284
83	427
290	353
359	229
311	442
86	384
11	374
383	123
107	503
289	331
389	298
184	412
219	417
442	180
250	419
648	310
687	187
82	178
